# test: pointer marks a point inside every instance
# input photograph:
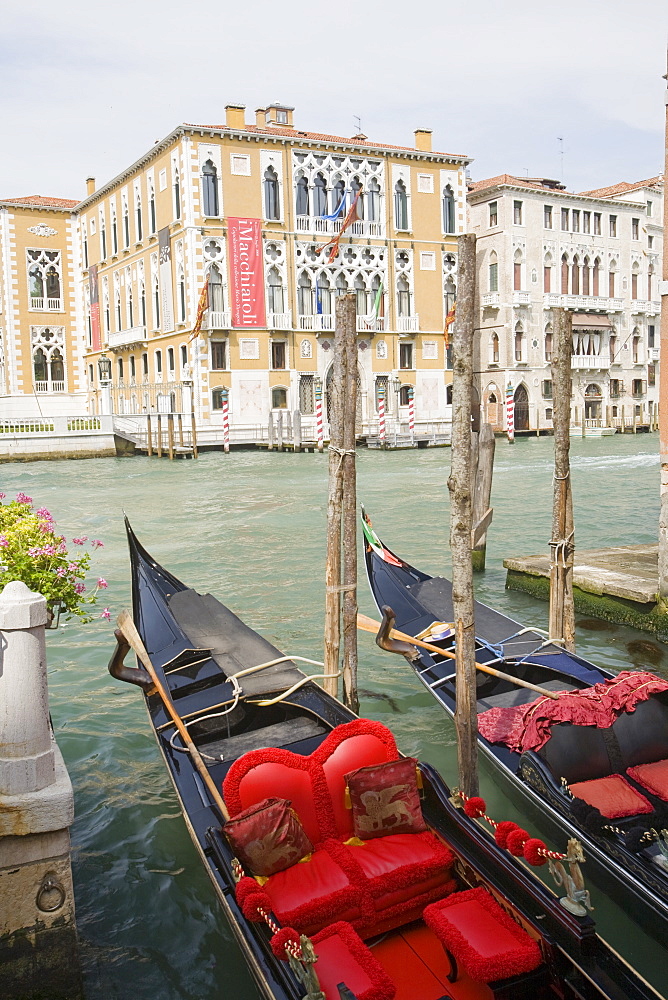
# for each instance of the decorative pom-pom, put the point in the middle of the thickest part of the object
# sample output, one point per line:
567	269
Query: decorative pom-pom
516	841
503	830
475	806
634	839
286	935
254	902
245	886
532	850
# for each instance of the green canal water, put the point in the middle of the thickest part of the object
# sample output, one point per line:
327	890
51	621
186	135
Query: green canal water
250	528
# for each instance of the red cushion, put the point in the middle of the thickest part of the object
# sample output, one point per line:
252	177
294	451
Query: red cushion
284	778
267	837
482	936
363	748
402	860
313	893
612	796
344	958
385	799
653	777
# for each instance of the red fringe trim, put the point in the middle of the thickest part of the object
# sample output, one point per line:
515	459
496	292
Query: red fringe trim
532	853
253	902
516	840
503	831
382	987
475	806
245	887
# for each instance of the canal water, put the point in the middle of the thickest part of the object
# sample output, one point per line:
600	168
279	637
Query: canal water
250	528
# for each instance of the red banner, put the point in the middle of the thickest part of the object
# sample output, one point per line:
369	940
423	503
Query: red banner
94	298
246	274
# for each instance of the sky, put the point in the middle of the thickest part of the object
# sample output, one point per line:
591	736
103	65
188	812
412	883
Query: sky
572	91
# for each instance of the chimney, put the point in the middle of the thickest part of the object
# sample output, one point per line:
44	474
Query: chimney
280	114
423	139
235	116
260	117
90	185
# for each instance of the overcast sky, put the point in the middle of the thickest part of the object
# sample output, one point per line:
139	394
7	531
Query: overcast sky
86	88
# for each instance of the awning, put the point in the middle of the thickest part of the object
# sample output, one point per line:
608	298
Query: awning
591	321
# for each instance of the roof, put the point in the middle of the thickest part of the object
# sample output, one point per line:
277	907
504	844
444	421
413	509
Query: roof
39	201
623	187
500	179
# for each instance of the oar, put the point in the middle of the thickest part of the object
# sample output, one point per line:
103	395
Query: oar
129	630
367	624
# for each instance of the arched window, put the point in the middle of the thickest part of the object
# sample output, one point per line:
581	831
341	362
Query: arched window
361	305
182	294
138	218
36	284
373	201
634	281
323	293
302	196
319	195
158	364
156	301
338	195
120	369
403	297
279	399
52	283
142	303
131	311
575	276
117	302
585	276
611	278
494	349
519	342
151	208
305	295
274	291
177	194
355	186
210	188
341	285
564	275
400	206
548	342
216	297
650	277
103	238
448	210
57	367
493	272
114	230
171	364
272	207
39	365
517	271
126	225
547	273
377	297
595	274
635	346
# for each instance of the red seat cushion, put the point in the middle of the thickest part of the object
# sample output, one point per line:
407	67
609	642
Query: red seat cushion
367	743
267	837
482	936
653	777
612	796
344	958
313	893
385	799
402	861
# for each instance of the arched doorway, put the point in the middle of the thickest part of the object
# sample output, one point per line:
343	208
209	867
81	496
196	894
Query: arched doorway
593	402
521	421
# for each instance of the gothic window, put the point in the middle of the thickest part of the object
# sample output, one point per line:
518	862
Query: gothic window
305	295
138	216
595	272
216	298
319	195
151	207
377	297
373	201
323	295
338	195
177	194
548	342
517	271
44	268
142	303
341	285
519	343
84	245
272	207
103	238
547	273
130	307
36	285
274	291
448	210
564	275
48	344
156	301
575	276
171	364
182	294
586	271
611	279
635	346
634	282
361	306
117	302
126	224
209	189
114	230
355	187
403	297
650	276
400	206
302	196
494	349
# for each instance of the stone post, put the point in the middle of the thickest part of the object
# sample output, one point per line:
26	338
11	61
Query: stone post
38	943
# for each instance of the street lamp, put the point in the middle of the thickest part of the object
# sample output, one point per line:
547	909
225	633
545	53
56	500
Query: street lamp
104	368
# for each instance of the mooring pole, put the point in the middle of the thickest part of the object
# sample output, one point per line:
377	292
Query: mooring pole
663	397
562	544
346	319
459	485
334	506
482	480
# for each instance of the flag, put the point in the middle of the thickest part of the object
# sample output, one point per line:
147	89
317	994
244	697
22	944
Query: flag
202	306
333	244
378	304
449	320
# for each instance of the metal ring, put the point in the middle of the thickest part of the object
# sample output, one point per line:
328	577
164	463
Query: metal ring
49	883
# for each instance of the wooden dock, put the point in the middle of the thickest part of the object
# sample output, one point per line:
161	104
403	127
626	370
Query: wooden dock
617	584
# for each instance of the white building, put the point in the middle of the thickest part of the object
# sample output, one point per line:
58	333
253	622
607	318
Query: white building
597	254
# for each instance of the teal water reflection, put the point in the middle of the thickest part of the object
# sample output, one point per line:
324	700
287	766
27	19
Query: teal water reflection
250	528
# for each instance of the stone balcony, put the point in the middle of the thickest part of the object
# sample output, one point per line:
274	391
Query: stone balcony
117	339
582	303
217	320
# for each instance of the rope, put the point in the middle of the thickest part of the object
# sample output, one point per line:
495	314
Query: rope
544	852
334	588
562	478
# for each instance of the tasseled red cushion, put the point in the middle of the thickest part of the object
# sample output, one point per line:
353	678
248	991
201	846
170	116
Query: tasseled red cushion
653	777
267	837
482	936
385	799
344	958
612	796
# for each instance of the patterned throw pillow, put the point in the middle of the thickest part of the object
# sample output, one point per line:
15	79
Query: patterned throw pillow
385	799
267	837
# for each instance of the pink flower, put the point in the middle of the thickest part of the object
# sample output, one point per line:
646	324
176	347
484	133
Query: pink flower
80	541
62	548
102	583
43	512
61	571
22	498
34	552
73	567
106	614
49	550
79	588
4	542
97	544
46	527
2	496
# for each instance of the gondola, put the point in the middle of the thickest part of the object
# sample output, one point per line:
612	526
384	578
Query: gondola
569	763
436	912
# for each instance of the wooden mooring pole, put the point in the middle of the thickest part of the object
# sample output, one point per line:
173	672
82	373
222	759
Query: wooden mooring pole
334	507
562	544
346	312
459	485
663	397
482	472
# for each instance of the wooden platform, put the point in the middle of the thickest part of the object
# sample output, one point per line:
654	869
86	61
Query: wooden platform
617	584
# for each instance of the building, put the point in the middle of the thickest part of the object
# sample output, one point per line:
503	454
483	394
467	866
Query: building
597	254
245	210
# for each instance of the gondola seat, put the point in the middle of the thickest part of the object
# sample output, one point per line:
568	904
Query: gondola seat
375	884
344	958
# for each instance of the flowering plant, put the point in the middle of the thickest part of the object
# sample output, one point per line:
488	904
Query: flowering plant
33	552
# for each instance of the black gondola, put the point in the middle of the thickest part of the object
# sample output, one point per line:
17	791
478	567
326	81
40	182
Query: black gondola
364	902
627	856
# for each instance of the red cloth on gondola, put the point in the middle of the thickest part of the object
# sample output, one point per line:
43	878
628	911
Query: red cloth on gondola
527	727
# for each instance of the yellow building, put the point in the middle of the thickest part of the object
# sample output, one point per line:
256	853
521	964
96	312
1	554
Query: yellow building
248	210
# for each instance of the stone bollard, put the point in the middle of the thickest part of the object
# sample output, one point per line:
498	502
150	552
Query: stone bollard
38	941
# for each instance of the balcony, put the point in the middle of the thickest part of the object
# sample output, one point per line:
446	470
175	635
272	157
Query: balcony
370	324
330	227
652	353
126	338
408	324
590	362
37	302
521	298
49	387
217	320
645	306
491	299
582	303
279	321
320	322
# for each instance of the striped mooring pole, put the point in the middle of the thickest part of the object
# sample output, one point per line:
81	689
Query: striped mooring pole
411	412
510	413
318	415
226	419
381	414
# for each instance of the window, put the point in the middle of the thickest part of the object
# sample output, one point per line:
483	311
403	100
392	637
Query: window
381	389
547	217
494	277
126	225
133	366
44	285
403	297
634	285
564	275
302	196
171	363
405	395
548	413
575	276
279	399
184	356
427	260
586	222
151	209
650	275
611	284
635	229
281	118
304	295
519	343
218	355
319	195
493	213
612	346
138	216
585	276
400	206
597	223
595	272
144	365
158	363
638	387
651	375
361	304
448	210
272	207
547	278
209	189
425	185
494	349
177	194
650	242
635	348
278	354
547	388
84	242
182	294
616	388
565	213
307	394
517	275
217	398
613	225
114	230
373	201
650	208
651	335
548	343
240	164
575	220
517	213
103	239
405	355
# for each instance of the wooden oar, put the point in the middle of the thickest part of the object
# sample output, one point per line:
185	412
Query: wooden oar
129	630
367	624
